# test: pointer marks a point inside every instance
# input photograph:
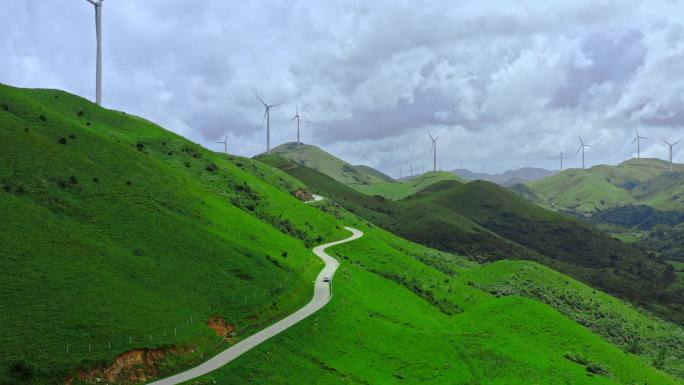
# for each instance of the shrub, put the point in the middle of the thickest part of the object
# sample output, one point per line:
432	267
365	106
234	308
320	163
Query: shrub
62	141
596	368
80	113
43	118
4	106
212	168
21	372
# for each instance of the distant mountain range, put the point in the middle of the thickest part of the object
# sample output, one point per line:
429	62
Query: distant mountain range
507	178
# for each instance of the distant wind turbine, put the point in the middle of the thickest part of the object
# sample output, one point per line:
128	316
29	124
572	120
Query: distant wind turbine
225	144
267	117
297	117
638	141
671	145
434	151
581	148
98	37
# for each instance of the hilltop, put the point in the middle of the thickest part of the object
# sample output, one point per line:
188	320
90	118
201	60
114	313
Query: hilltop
636	181
131	252
341	171
408	186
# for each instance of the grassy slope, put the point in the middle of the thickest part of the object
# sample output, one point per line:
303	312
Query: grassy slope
400	190
636	181
582	251
483	220
123	231
113	260
371	171
317	159
487	340
580	190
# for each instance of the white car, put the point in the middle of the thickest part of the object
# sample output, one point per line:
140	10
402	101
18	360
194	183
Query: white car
326	278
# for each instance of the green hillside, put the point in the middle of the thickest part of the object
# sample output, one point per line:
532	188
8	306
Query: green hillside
487	222
400	190
115	233
444	329
128	248
636	181
341	171
371	171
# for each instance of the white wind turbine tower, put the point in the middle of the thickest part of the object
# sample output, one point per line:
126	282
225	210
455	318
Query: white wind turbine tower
638	141
267	117
561	159
581	148
297	117
671	145
225	144
434	151
98	37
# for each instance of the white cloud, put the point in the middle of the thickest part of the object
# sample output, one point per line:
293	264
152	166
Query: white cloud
504	85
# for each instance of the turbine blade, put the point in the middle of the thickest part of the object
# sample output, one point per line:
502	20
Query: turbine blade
260	99
665	141
675	143
433	139
579	149
580	138
295	117
635	139
264	118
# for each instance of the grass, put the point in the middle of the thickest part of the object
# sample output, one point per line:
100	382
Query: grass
124	229
636	181
491	340
338	169
488	223
114	229
400	190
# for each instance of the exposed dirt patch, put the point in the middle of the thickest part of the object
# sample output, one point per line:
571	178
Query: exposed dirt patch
303	195
139	365
221	327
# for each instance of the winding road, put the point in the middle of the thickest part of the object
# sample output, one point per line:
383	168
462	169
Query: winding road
322	295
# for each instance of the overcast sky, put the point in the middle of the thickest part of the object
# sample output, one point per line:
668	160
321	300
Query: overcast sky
503	84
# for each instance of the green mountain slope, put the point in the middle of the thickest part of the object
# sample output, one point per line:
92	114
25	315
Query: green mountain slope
488	222
449	332
314	157
636	181
116	228
116	233
402	189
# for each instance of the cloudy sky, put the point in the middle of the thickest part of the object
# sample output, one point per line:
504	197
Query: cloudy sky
503	84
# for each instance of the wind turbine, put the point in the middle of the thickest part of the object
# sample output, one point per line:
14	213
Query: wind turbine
671	145
98	37
297	117
581	148
225	144
434	151
638	140
267	117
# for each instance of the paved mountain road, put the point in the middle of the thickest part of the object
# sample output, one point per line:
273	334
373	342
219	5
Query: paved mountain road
322	295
